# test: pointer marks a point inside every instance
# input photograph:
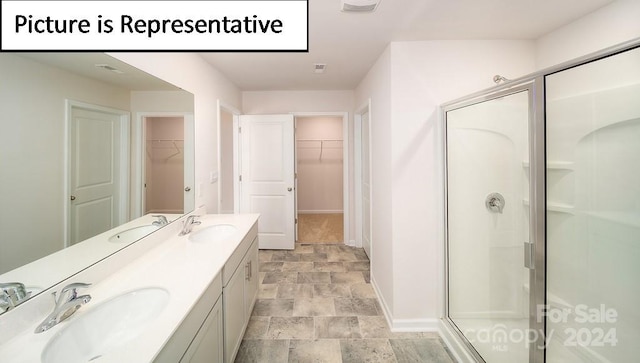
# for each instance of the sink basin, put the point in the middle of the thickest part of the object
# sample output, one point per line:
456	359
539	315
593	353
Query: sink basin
215	233
133	234
106	327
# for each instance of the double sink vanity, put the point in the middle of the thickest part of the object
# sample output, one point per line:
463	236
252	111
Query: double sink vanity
181	294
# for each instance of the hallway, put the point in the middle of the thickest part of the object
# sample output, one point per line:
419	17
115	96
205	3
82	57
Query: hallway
315	304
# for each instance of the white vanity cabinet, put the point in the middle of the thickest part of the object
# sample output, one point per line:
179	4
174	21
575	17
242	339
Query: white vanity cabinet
208	344
200	336
240	288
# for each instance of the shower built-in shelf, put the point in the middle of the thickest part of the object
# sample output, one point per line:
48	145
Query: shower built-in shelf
554	207
555	165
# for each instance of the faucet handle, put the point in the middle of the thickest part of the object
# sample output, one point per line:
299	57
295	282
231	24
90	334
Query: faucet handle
162	220
73	289
192	219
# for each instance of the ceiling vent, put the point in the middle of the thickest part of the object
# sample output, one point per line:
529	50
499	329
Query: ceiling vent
319	67
359	6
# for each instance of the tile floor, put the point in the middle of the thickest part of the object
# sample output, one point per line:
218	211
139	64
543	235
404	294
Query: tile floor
315	304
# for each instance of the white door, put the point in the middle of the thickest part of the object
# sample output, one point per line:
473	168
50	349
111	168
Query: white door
366	185
267	177
189	166
95	157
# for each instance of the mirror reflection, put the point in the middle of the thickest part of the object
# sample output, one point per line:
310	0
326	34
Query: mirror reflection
92	148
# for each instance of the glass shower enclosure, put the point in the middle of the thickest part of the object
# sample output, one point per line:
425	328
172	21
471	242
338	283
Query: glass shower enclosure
543	214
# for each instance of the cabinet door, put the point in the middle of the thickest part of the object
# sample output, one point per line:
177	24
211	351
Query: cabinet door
234	313
251	279
207	346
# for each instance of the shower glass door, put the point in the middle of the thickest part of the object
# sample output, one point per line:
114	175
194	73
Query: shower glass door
488	177
593	211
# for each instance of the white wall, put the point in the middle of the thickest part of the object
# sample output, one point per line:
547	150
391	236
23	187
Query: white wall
193	74
407	160
377	86
32	100
320	164
226	169
613	24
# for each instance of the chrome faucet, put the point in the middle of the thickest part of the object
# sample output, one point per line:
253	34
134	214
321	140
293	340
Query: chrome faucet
66	304
162	220
188	224
12	294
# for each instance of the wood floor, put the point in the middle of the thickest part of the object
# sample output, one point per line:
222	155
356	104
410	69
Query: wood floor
322	228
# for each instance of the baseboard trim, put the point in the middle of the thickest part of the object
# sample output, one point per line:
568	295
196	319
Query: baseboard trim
404	325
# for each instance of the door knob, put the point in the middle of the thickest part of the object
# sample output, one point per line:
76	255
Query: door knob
187	189
73	197
289	189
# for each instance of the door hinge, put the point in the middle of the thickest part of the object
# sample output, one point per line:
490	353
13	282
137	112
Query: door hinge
239	130
240	178
529	255
296	220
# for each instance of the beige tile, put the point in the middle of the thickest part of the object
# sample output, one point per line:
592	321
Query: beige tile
317	306
298	266
337	327
257	327
329	267
315	351
313	257
304	249
294	291
285	256
357	266
314	278
273	307
280	277
265	255
363	291
290	328
357	307
270	266
267	291
339	256
255	351
419	350
331	290
354	277
367	350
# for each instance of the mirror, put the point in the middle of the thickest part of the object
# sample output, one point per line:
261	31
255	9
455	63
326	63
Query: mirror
75	120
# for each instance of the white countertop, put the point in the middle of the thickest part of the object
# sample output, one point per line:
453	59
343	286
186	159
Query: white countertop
182	267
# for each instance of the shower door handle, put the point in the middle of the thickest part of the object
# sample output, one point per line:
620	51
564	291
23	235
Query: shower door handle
529	255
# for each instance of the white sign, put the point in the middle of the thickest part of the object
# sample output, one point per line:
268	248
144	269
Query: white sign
223	25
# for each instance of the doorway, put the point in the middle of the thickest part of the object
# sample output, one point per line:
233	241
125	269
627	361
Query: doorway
319	169
164	165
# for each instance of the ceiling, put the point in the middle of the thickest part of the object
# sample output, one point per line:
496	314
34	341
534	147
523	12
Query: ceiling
351	43
84	64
